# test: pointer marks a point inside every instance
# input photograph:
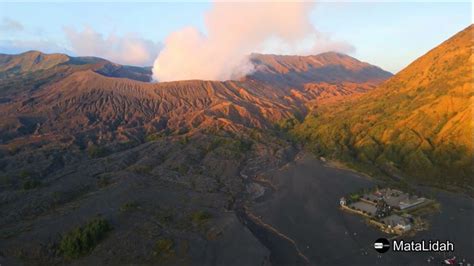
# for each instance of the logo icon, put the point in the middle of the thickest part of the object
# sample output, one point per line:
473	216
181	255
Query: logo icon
382	245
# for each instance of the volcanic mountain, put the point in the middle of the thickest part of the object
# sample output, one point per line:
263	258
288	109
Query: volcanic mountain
417	124
80	134
57	93
292	70
100	166
12	66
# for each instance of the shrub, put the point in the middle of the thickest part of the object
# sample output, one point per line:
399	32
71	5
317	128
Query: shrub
30	184
153	137
230	147
287	124
103	181
129	206
164	248
141	169
200	217
82	240
165	216
128	144
244	145
158	136
354	197
184	140
25	174
97	152
6	180
181	169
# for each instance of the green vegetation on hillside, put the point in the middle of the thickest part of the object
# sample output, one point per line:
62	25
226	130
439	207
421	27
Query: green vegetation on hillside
82	240
230	147
418	125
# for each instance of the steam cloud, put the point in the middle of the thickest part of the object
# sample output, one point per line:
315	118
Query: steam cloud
128	49
233	32
8	24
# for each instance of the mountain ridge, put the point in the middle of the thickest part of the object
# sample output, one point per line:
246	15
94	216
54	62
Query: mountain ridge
417	124
33	61
174	167
261	61
303	72
85	93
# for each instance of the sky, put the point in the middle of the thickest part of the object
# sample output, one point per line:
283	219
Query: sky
389	34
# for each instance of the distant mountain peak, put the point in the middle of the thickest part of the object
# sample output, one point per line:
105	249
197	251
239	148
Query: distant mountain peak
417	124
31	61
325	67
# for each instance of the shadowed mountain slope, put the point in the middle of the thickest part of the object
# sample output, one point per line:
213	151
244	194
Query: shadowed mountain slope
419	123
317	78
168	168
159	162
35	62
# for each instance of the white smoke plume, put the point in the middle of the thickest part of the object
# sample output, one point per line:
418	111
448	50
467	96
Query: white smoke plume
324	43
129	49
233	31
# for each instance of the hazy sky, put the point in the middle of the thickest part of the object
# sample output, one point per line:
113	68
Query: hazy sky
389	35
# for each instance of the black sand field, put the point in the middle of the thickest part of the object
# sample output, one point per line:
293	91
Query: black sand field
305	210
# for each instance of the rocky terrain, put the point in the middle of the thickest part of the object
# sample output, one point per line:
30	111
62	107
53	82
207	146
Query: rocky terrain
56	93
100	166
330	67
87	145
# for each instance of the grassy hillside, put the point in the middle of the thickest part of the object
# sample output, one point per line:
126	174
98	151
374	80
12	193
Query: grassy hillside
418	124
